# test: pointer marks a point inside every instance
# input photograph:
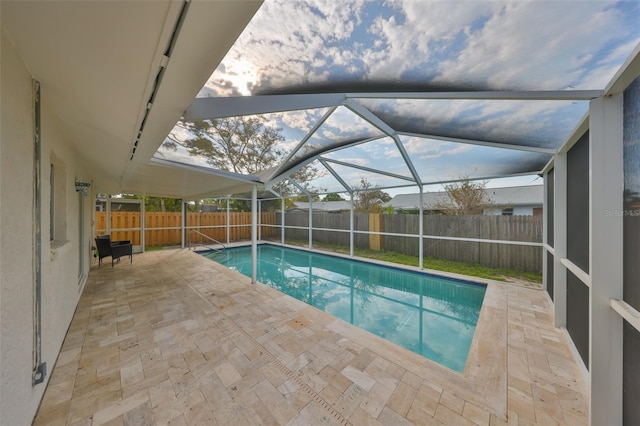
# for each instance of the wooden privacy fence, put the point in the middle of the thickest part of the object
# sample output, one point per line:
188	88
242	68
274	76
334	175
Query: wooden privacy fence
123	220
164	228
494	255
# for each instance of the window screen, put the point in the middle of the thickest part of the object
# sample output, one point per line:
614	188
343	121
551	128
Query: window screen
578	203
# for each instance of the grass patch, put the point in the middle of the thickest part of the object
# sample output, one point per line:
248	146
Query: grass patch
471	269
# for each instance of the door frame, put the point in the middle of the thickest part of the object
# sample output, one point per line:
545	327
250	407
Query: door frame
141	229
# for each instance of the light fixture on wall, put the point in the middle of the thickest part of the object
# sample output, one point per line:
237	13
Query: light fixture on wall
83	186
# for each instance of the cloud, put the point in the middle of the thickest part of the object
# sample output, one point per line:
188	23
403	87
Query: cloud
180	155
358	161
430	149
345	125
549	45
418	33
292	42
540	123
540	45
381	154
483	44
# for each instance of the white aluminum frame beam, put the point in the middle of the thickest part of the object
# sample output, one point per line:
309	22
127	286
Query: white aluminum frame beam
228	219
545	229
367	169
351	225
626	74
581	128
282	212
376	121
282	215
439	182
407	160
215	172
209	108
606	254
481	143
351	195
324	161
259	220
559	240
302	142
221	107
309	196
283	170
524	95
421	230
183	223
370	117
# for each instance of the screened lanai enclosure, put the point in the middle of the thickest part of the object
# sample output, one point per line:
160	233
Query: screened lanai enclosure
302	99
409	96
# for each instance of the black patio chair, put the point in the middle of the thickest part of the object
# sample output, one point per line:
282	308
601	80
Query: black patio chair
115	249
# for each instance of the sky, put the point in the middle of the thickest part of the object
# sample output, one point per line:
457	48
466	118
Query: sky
358	46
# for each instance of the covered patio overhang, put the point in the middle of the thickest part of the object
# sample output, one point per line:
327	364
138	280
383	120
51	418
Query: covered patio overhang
117	76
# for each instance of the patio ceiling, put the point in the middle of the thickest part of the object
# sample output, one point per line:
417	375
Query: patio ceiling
99	64
418	93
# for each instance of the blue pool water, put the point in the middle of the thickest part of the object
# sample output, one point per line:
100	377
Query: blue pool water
431	315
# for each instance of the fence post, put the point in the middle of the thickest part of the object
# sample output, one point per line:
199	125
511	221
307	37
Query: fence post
421	230
260	219
108	224
310	221
351	225
254	228
183	225
228	218
282	222
374	226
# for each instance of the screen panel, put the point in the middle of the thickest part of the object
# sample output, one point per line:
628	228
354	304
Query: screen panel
382	154
527	123
578	203
343	127
549	274
549	182
631	376
631	138
441	161
578	315
353	46
631	256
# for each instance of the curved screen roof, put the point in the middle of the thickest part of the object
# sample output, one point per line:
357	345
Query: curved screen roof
447	88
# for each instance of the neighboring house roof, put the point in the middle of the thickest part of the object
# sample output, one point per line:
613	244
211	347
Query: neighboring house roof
327	206
511	196
517	195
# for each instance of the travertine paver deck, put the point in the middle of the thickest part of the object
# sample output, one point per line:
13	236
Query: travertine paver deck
176	339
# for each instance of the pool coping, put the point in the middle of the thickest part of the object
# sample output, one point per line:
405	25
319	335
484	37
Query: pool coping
484	379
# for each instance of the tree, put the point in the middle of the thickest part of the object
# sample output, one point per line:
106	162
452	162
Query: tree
244	145
369	198
238	144
333	197
157	204
465	197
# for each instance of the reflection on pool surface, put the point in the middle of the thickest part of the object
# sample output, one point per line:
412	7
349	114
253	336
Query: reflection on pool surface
431	315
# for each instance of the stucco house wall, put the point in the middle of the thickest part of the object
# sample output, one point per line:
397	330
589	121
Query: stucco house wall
62	281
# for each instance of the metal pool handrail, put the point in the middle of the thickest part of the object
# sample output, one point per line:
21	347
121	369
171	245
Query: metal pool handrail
190	245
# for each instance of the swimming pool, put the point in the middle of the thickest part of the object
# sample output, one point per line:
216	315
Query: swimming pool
431	315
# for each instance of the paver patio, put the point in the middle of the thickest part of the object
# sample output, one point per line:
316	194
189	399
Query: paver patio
177	339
